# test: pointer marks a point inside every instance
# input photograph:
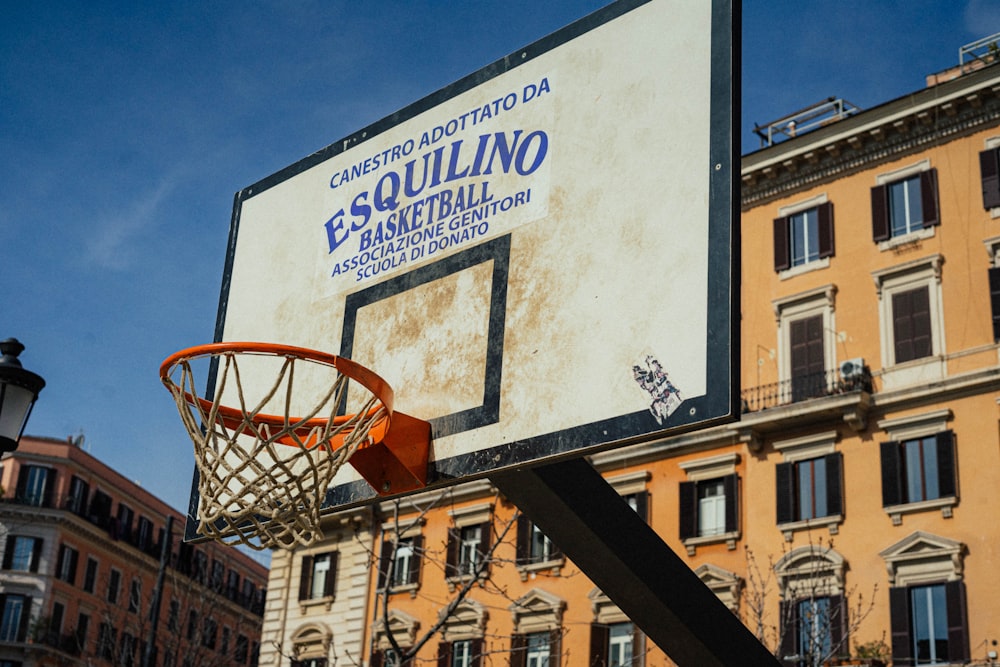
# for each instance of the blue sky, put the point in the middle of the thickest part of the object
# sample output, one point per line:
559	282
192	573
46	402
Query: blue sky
126	128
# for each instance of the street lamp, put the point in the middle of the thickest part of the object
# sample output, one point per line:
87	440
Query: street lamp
18	390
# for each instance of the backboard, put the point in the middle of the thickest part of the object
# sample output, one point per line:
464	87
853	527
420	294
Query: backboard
538	258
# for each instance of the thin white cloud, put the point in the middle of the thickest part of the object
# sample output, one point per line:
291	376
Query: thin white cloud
115	242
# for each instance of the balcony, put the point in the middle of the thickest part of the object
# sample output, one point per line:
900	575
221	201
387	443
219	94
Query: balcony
804	388
805	401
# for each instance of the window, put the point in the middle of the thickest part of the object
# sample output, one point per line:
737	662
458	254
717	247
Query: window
467	546
114	585
99	511
76	501
124	523
989	168
534	546
461	653
803	237
209	632
400	562
911	324
911	321
135	595
80	634
127	657
34	486
994	282
906	205
312	662
107	637
918	469
144	534
90	575
809	489
708	507
538	649
537	633
929	624
16	610
242	649
813	629
174	615
66	565
808	358
192	626
319	575
22	553
232	584
218	575
612	645
224	644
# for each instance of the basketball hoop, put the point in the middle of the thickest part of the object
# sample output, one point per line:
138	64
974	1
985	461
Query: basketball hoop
254	492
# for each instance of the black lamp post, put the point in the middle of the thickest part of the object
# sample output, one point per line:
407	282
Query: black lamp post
18	390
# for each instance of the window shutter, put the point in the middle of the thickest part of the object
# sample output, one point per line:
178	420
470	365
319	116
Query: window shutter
824	218
929	198
451	553
444	654
784	491
555	648
305	580
688	509
523	549
22	631
911	325
837	620
782	252
946	464
788	619
22	482
834	484
642	505
331	577
518	650
994	277
477	652
485	542
63	552
899	624
892	487
8	553
880	213
418	556
36	553
989	170
47	486
958	623
730	483
384	563
377	659
599	637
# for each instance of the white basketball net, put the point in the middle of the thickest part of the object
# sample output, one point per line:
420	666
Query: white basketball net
262	484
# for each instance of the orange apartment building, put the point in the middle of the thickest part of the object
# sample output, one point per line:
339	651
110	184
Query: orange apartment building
82	549
851	512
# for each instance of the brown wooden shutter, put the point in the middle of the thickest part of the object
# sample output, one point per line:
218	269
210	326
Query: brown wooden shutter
788	620
834	485
451	553
911	324
523	548
642	505
377	659
518	650
994	278
989	171
485	542
36	554
731	486
555	647
892	484
22	630
330	586
599	639
837	620
880	213
958	623
444	654
899	624
8	553
824	218
782	251
384	563
477	651
688	504
929	199
305	579
415	561
785	492
947	485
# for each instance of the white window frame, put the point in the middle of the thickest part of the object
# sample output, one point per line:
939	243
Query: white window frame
923	272
890	177
793	209
819	301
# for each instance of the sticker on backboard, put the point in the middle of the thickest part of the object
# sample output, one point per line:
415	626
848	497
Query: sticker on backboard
655	381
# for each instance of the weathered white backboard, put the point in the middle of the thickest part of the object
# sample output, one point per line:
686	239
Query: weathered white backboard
538	258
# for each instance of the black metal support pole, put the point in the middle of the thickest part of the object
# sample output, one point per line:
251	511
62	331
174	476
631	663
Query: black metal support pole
580	512
154	603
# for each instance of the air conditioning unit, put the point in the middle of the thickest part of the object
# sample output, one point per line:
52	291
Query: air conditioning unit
852	368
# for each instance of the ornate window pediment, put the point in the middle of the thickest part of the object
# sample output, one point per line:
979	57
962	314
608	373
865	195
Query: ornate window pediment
922	558
537	611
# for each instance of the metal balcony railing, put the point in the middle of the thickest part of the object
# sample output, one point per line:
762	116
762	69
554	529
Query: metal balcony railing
804	388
